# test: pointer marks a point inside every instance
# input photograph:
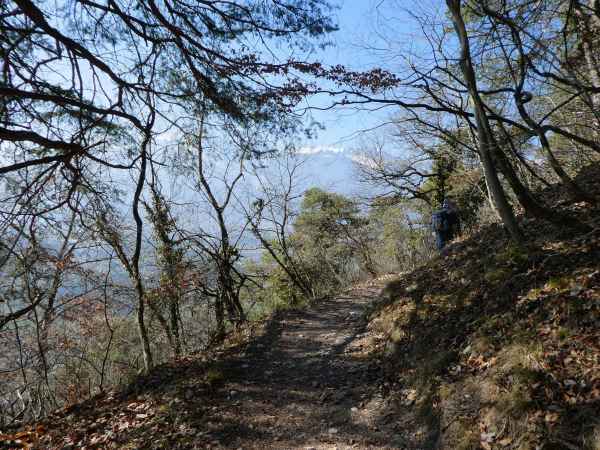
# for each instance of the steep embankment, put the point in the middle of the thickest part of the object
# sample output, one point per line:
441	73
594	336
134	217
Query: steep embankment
496	347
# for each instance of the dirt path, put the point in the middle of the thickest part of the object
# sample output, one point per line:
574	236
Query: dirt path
310	379
308	383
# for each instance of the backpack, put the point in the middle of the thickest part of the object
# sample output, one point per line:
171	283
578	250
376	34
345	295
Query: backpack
439	221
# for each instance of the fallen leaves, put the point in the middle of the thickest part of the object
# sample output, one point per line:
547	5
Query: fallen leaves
489	439
27	438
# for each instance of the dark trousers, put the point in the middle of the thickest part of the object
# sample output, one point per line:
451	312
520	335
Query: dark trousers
441	237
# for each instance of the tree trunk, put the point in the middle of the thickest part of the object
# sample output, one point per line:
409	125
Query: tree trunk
285	263
484	133
588	18
174	325
142	330
531	206
219	318
230	296
135	260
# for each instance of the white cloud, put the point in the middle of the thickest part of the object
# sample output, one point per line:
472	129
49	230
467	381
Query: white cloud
319	149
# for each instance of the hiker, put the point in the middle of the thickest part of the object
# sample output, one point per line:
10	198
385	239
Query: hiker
445	224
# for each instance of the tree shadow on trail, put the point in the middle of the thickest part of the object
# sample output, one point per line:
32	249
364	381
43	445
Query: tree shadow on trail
303	386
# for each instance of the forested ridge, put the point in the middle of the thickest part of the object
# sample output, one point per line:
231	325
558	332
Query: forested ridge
171	275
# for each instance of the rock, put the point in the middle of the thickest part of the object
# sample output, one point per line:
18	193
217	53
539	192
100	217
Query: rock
333	431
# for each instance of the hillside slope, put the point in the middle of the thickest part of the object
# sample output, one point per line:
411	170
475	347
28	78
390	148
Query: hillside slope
499	347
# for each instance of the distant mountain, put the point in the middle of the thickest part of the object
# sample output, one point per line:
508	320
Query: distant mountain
332	169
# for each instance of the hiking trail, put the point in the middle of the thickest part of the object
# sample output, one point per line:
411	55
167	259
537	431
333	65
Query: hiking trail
307	383
312	378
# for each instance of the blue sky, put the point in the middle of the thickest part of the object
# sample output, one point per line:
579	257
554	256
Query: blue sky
373	33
